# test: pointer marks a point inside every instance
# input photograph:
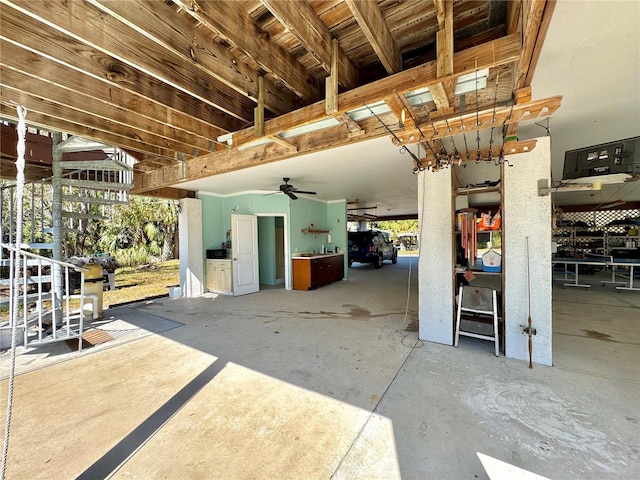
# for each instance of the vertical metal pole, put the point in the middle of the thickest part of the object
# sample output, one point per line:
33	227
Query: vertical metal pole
56	212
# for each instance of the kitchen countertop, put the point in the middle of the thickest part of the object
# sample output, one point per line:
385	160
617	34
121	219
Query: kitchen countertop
310	256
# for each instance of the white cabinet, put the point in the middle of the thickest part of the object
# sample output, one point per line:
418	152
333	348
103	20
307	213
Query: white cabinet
219	276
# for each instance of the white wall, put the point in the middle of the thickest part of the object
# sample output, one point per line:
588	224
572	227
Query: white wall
435	268
527	216
191	247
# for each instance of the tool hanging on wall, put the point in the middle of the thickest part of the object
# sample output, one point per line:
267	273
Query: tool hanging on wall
528	329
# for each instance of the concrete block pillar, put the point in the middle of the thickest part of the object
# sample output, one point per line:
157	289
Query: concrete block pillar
191	247
436	265
526	215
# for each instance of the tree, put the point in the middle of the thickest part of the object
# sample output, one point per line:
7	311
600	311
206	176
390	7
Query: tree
396	227
141	231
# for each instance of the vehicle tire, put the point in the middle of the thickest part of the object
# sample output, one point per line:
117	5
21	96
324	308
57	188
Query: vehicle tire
377	261
394	259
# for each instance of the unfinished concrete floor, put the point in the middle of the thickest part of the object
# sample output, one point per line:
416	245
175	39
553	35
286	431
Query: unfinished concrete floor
326	384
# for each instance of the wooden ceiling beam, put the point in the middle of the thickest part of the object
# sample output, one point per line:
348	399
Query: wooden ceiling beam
443	92
49	121
121	80
497	52
170	193
233	159
536	28
48	99
176	33
375	28
355	130
86	24
88	104
513	17
314	36
398	106
537	17
241	32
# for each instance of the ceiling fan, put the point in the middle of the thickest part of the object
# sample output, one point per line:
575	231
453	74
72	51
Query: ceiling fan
290	190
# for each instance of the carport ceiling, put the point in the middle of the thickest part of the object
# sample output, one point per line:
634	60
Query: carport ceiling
209	94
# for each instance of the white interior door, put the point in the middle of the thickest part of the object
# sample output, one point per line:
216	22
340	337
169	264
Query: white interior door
244	244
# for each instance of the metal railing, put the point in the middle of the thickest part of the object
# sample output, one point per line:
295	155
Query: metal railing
43	316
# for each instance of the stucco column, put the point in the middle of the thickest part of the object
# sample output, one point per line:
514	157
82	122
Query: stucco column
527	215
436	265
191	247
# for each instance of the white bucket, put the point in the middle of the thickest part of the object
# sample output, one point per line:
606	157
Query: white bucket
175	292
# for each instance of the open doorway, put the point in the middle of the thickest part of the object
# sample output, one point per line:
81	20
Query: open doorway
271	249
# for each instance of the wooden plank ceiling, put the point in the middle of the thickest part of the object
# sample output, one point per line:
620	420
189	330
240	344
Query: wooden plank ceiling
193	88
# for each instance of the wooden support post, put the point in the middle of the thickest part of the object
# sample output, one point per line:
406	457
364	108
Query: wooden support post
331	86
442	92
258	112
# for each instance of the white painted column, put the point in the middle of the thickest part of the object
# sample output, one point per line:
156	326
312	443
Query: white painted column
191	247
527	215
436	264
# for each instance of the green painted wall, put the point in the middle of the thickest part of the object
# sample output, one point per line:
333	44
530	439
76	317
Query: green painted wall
213	231
304	213
267	249
301	214
337	223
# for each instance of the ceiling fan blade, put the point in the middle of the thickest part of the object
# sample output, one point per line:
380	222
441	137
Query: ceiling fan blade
291	195
302	191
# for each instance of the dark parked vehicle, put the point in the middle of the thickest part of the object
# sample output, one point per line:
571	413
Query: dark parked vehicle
372	246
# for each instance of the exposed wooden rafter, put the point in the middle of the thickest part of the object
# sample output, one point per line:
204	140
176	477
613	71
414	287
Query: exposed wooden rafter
497	52
377	31
107	35
240	31
314	35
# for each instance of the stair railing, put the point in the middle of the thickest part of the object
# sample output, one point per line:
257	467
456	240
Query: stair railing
32	281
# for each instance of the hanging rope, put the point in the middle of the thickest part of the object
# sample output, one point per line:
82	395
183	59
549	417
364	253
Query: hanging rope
22	132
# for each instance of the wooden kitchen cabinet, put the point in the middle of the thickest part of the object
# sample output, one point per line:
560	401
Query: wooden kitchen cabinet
314	272
219	276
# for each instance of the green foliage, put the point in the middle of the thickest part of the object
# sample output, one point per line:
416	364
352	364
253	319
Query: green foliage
396	227
141	232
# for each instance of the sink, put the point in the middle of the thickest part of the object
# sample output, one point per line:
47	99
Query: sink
306	254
